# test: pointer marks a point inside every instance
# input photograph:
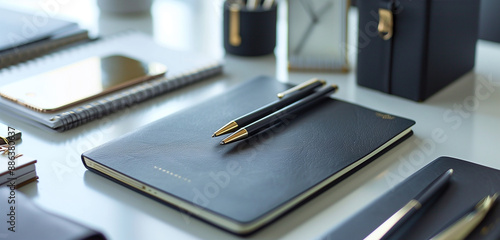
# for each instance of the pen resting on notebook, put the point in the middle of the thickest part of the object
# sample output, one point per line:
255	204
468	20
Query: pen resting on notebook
287	97
278	116
408	210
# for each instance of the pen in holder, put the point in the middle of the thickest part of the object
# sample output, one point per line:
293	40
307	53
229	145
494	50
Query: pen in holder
249	31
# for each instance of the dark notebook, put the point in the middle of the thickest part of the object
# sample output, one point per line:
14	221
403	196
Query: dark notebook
19	28
469	184
244	185
25	35
23	220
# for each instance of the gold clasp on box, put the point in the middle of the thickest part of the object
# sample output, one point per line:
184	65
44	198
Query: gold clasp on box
385	23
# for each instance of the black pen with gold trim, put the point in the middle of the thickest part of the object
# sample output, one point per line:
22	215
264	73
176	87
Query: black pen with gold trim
286	98
278	116
408	210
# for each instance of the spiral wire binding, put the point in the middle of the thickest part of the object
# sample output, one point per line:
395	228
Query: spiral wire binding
122	99
140	93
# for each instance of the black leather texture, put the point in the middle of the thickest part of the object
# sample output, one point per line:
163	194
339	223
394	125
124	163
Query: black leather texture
434	43
27	221
246	180
470	183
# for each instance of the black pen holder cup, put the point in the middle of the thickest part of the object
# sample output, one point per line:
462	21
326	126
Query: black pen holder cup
249	32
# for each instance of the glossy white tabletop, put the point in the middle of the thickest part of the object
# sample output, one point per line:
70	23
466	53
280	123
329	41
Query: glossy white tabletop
462	121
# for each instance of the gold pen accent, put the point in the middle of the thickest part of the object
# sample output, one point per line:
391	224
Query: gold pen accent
4	141
466	224
242	133
301	86
390	222
231	126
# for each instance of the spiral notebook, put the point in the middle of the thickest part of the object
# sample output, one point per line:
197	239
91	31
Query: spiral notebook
184	68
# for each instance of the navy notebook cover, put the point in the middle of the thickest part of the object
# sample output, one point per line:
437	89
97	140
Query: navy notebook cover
24	220
470	183
244	185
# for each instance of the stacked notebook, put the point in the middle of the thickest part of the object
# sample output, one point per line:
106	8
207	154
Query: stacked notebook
183	68
24	172
243	186
24	36
469	183
16	170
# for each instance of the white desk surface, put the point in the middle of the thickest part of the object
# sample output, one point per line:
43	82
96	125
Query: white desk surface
467	113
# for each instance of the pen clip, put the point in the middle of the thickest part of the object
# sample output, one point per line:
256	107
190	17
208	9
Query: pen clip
300	86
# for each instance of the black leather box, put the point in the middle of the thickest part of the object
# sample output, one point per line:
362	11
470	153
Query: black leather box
414	48
489	21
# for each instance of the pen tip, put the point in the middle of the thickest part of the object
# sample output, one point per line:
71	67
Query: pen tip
222	143
450	171
229	127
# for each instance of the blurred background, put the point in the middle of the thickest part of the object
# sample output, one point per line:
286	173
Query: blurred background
183	19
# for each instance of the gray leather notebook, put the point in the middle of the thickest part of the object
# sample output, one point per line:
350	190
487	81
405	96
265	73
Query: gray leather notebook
242	186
